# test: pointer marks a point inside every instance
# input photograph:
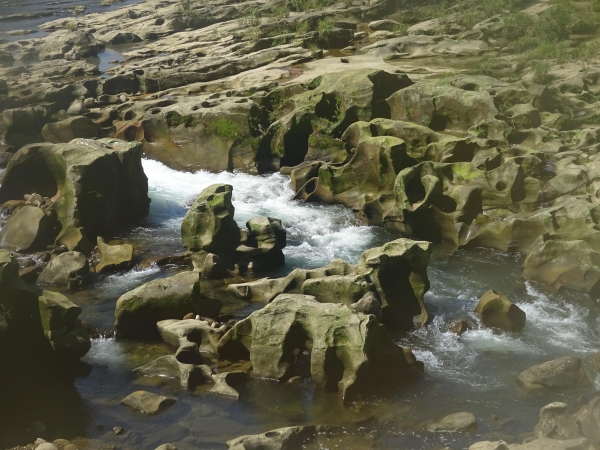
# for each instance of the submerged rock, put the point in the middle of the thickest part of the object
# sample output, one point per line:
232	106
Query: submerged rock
279	439
462	421
347	350
562	373
147	402
225	384
189	375
497	311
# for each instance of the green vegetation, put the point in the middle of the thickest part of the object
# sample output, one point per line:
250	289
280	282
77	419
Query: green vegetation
191	17
225	128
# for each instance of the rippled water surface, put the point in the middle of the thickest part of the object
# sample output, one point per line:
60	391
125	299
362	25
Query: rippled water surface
473	373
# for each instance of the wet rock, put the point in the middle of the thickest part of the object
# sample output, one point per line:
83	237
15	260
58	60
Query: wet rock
166	447
269	237
190	375
387	271
497	311
562	373
118	430
30	228
209	224
94	184
368	304
571	264
75	239
113	257
488	445
536	444
67	269
588	420
147	402
596	361
138	311
190	336
462	421
225	384
66	130
556	423
30	274
459	327
279	439
275	338
62	328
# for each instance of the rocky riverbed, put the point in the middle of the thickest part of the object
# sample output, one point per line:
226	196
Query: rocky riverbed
302	224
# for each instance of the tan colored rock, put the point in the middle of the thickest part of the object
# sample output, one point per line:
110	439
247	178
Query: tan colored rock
497	311
562	373
147	402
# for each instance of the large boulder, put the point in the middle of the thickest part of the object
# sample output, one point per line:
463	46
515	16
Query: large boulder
347	350
497	311
138	311
29	228
556	423
94	184
39	333
462	421
209	223
193	132
67	269
61	326
566	372
571	264
395	273
21	126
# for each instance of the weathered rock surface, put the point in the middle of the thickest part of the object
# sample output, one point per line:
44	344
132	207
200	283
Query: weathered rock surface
396	273
97	185
67	269
497	311
191	337
113	257
189	375
279	439
147	402
138	311
225	384
347	350
562	373
209	223
29	228
462	421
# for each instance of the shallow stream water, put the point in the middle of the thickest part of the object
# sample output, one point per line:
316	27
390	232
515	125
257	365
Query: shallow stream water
474	372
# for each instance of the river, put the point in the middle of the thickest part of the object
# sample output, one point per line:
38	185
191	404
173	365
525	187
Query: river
474	372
